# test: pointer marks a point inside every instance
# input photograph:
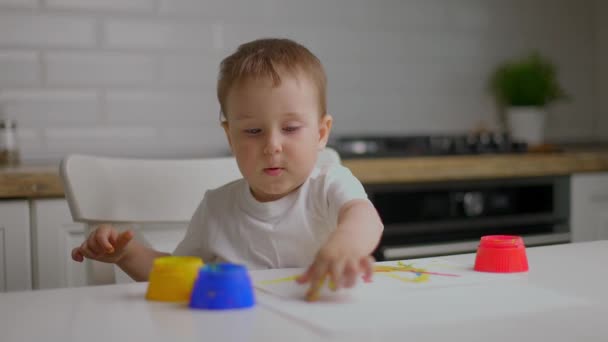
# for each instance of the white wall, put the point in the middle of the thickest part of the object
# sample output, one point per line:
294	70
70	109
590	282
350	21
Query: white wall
137	77
601	40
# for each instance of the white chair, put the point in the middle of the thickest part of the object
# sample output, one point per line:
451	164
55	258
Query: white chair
143	194
137	192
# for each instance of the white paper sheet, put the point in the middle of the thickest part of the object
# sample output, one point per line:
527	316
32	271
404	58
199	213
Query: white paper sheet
392	305
451	274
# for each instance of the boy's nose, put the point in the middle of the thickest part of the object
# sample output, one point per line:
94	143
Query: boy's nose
273	145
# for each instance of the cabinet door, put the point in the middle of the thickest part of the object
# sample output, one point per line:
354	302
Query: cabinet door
15	260
55	234
589	207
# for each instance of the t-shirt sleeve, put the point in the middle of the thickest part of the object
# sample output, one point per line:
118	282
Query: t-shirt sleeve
341	187
196	240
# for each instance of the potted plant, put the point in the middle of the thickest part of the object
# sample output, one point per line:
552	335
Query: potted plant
523	88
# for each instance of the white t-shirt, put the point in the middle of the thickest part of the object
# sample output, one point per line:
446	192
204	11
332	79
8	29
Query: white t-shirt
230	225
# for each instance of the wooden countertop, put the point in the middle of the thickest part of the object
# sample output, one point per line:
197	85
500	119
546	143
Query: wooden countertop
30	181
434	169
35	181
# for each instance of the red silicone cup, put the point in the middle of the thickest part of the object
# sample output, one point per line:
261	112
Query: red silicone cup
501	254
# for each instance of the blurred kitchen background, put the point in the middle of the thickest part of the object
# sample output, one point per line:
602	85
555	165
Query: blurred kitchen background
137	77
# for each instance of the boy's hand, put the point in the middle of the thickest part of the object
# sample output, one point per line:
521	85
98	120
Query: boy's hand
346	254
105	244
342	268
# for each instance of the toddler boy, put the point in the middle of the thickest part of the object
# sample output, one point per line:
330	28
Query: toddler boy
285	212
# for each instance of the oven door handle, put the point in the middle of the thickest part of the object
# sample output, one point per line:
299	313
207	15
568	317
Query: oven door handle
411	252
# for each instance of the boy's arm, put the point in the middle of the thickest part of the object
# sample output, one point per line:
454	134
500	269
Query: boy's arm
359	228
138	260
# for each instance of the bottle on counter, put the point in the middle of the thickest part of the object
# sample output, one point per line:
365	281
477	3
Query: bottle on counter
9	151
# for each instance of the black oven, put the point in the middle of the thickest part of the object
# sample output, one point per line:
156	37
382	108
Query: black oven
446	218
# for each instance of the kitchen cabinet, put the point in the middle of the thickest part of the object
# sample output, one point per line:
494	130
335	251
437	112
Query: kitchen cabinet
55	234
589	206
15	260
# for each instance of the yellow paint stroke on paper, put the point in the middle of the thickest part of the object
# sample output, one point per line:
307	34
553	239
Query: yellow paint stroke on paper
278	281
288	279
422	274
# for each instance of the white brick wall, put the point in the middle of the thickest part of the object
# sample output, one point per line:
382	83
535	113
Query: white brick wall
98	69
19	3
137	77
19	68
159	107
36	108
45	30
165	34
190	69
108	5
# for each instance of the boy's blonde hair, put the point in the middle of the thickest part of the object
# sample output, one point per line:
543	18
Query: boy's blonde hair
269	58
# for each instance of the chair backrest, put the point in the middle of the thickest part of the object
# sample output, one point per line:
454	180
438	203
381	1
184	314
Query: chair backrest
102	189
137	191
141	191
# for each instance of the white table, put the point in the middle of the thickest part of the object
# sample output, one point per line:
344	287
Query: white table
120	312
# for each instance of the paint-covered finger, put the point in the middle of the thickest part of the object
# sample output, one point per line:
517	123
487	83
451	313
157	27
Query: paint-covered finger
318	271
317	278
314	292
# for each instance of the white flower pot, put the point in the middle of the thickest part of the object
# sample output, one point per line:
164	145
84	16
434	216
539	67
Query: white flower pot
527	124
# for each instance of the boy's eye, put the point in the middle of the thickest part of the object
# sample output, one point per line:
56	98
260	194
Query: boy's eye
291	128
253	131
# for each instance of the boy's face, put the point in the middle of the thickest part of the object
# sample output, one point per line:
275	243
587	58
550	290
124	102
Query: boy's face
275	133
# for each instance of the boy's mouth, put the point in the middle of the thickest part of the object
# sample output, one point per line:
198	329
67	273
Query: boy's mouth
273	171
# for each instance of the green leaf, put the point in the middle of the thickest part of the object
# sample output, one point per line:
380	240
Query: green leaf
528	81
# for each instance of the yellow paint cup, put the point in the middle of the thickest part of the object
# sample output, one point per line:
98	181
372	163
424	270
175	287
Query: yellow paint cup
172	278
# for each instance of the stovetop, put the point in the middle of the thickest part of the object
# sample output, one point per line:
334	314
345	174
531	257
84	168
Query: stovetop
359	146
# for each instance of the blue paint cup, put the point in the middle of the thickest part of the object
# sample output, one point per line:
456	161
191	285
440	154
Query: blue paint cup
222	286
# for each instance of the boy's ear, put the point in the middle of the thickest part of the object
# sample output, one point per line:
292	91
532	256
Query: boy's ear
226	128
324	130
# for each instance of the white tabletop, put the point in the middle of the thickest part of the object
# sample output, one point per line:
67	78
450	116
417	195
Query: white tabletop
576	272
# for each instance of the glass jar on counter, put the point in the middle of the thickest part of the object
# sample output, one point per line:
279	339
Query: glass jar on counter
9	150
